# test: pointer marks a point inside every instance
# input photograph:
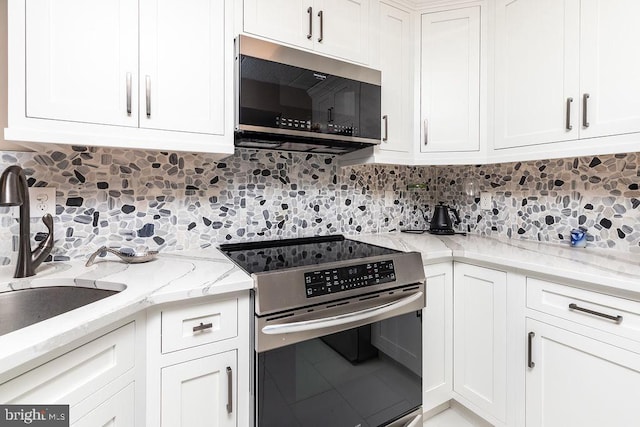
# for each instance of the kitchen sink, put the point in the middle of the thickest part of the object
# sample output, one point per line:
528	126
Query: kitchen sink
24	307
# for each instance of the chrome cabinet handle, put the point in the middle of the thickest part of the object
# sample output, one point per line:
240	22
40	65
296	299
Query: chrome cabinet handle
310	12
128	94
341	319
426	132
202	327
148	89
229	390
568	125
320	15
386	128
585	116
529	357
574	306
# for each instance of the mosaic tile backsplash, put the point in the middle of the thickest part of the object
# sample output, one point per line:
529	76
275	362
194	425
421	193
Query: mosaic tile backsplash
136	200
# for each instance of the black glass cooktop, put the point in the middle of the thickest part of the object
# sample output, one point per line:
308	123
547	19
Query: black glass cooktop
257	257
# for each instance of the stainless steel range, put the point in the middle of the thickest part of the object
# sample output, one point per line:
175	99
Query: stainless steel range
338	333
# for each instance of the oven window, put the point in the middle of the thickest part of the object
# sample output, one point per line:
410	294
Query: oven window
366	376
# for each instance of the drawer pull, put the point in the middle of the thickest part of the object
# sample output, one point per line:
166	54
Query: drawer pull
568	125
128	94
321	16
385	138
202	327
229	390
530	362
617	319
585	115
148	93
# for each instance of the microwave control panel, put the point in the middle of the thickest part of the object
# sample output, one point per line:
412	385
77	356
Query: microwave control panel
334	280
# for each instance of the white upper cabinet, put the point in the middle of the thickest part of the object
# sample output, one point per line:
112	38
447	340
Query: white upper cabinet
339	28
609	67
181	66
536	71
151	74
288	21
343	29
82	61
450	79
396	63
565	70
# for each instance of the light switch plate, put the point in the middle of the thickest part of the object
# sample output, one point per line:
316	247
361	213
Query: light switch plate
42	201
485	200
389	198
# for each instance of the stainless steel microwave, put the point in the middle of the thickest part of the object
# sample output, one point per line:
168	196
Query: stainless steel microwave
291	100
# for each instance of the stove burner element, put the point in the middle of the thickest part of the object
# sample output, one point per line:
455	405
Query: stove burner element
259	257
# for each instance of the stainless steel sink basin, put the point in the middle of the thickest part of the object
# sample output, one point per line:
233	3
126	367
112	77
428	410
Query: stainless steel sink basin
24	307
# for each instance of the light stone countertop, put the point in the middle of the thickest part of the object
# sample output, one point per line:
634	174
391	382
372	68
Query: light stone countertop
599	269
171	277
191	274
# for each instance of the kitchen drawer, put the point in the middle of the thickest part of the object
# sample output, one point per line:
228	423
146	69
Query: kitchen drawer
70	378
556	299
117	411
192	325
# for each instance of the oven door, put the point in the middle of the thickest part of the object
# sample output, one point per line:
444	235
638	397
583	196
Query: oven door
352	367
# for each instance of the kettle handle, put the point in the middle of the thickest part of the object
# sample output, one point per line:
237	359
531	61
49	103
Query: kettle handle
455	213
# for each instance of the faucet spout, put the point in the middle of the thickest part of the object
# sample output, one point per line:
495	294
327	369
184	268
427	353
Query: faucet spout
14	191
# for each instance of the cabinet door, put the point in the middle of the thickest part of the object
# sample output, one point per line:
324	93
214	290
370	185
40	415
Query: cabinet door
396	61
479	338
343	29
182	65
450	96
287	21
580	382
537	71
198	393
83	69
609	68
437	336
117	411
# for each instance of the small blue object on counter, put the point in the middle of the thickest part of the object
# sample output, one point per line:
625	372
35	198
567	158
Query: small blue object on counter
578	238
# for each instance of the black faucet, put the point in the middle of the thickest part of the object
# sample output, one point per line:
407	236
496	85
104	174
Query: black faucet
14	191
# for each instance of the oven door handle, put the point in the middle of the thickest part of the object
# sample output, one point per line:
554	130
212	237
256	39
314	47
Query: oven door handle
342	319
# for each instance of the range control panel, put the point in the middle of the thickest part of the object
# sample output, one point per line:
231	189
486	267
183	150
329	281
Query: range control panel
334	280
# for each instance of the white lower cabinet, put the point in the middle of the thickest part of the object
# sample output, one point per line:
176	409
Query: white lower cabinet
117	411
480	340
95	379
200	392
437	336
577	381
198	363
583	357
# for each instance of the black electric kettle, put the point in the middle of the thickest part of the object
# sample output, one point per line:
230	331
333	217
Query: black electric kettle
441	220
